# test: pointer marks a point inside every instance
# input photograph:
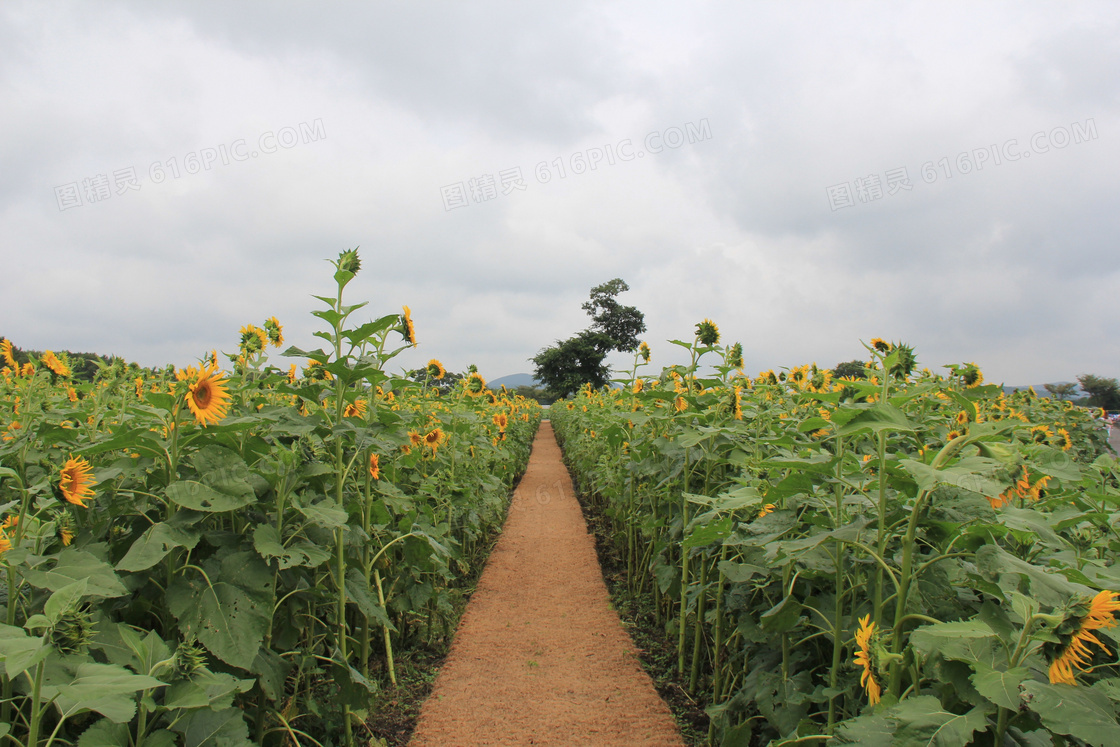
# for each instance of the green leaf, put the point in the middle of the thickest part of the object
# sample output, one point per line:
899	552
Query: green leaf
223	470
325	514
1047	588
64	600
782	616
1002	688
154	544
922	721
266	541
21	654
357	591
105	734
869	730
1081	712
104	688
199	497
74	565
231	617
740	573
207	728
877	418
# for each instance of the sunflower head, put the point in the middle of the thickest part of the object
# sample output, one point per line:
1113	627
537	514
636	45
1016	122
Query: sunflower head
707	332
643	350
474	384
1064	439
737	402
434	438
639	384
766	509
680	404
6	351
435	369
274	331
356	409
208	396
73	631
253	339
349	261
735	355
866	658
880	345
375	466
501	420
51	361
75	480
1075	632
28	369
314	370
407	329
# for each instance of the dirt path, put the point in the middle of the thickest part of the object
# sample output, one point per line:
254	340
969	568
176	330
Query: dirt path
540	658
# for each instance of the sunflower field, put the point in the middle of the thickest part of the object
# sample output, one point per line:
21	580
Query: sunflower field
898	558
213	556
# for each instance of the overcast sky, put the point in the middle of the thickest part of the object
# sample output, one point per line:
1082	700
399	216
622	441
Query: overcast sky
807	175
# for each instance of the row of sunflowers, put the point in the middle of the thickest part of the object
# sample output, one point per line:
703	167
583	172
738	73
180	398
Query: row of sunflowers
226	556
893	558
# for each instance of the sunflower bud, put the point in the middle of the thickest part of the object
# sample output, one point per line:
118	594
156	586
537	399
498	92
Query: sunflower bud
73	631
707	332
189	658
348	261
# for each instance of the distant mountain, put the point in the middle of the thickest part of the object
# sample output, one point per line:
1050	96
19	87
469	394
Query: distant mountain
1040	389
513	380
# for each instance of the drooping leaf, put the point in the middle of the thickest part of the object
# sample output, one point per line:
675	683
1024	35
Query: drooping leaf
1081	712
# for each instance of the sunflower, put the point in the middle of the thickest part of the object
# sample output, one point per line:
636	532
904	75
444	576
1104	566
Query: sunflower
1075	633
6	351
253	339
475	384
1064	439
435	369
374	466
638	385
1041	434
735	355
680	404
274	331
71	394
5	543
501	421
51	361
408	330
314	371
74	481
208	397
864	658
66	535
737	402
356	409
643	350
707	332
434	438
292	374
766	509
962	417
28	369
414	438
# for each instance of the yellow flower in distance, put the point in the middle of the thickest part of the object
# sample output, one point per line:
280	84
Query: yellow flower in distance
864	658
408	329
433	439
51	361
75	481
6	351
374	467
436	369
274	331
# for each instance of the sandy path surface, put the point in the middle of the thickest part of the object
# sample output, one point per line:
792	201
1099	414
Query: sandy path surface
540	658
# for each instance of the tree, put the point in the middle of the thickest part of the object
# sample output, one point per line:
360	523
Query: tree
1102	392
622	324
1061	391
569	364
855	369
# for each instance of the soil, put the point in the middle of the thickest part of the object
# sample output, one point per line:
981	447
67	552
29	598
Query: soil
540	656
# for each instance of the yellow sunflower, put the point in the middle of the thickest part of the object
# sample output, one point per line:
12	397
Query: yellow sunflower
253	339
75	481
638	385
643	350
374	467
766	509
864	658
1076	633
737	403
274	331
71	394
433	439
501	420
436	369
707	332
208	396
6	351
408	330
1064	439
356	409
880	344
51	361
680	404
292	374
475	385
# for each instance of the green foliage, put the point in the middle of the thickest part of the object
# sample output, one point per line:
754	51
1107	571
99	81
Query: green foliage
1103	393
247	580
926	543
